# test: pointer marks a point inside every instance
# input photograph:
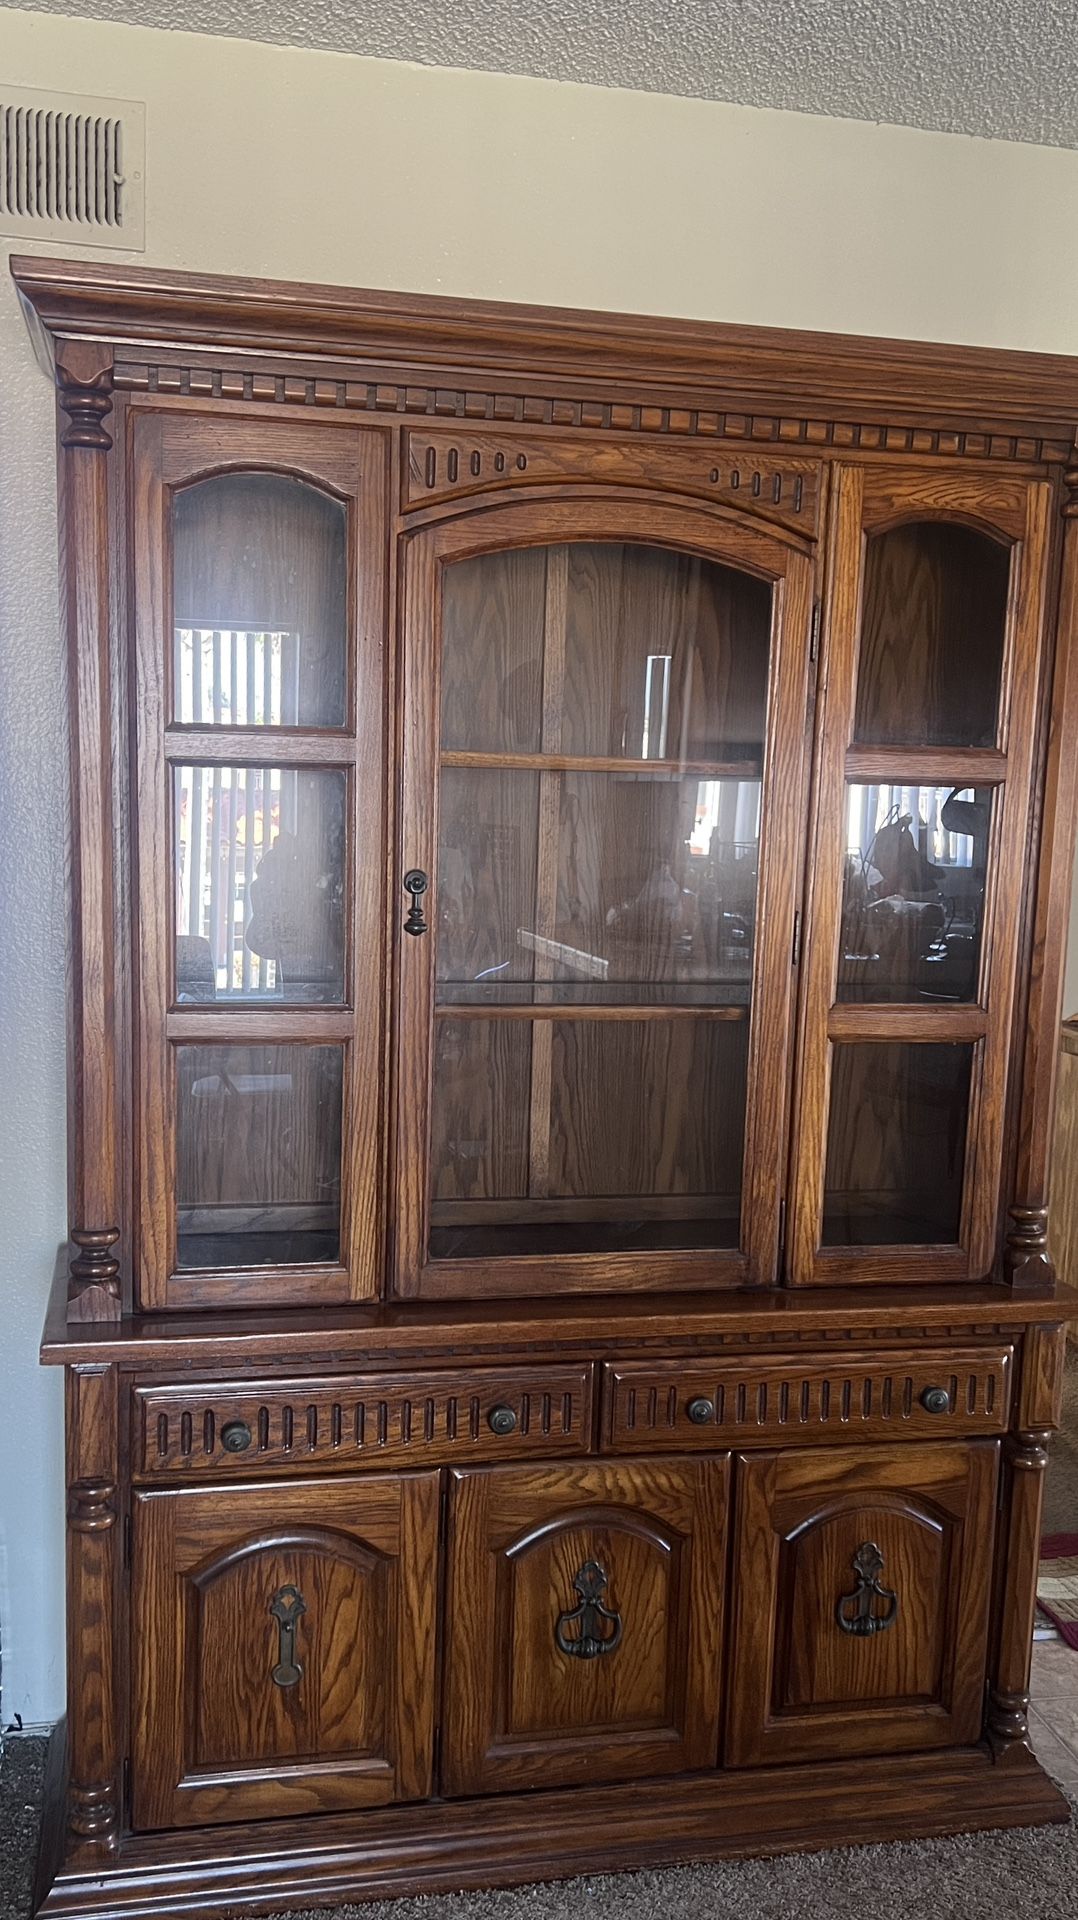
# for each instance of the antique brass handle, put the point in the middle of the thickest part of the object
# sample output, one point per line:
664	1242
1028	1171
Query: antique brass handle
415	885
701	1411
936	1400
236	1436
502	1420
855	1612
287	1606
597	1628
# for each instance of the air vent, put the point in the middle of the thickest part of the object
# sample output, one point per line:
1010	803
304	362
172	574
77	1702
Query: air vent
72	168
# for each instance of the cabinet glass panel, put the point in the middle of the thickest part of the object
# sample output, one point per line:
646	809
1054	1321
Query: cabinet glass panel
932	629
913	892
607	651
603	720
586	1135
260	893
896	1143
260	603
258	1150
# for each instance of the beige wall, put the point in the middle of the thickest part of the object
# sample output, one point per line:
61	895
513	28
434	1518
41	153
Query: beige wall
263	160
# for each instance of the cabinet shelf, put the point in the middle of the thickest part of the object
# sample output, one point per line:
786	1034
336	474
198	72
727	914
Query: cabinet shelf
600	763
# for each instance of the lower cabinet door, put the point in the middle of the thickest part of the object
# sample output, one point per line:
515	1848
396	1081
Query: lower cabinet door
862	1580
585	1626
284	1648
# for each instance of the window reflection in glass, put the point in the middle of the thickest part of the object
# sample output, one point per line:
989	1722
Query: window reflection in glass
913	892
259	857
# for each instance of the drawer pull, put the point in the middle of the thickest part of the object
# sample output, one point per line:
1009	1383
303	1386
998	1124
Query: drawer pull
502	1420
590	1618
286	1607
936	1400
855	1611
701	1411
236	1436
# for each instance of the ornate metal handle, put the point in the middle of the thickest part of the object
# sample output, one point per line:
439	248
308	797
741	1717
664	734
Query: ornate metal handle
502	1420
701	1411
936	1400
854	1612
287	1606
415	884
590	1618
236	1436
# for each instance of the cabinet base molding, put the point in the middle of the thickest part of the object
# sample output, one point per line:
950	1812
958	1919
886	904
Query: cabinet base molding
447	1846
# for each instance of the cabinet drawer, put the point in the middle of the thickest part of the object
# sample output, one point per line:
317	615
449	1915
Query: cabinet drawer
358	1420
855	1396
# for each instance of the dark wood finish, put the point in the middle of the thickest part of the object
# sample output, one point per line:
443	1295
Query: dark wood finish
702	1404
521	1711
509	1838
359	1420
227	1722
803	1689
886	1399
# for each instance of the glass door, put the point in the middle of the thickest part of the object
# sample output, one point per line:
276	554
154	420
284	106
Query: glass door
260	615
607	869
924	754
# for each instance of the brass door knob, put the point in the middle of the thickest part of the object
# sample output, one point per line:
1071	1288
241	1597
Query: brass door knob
701	1411
502	1419
236	1436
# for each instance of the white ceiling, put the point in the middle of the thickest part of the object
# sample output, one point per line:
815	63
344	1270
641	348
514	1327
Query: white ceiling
1007	69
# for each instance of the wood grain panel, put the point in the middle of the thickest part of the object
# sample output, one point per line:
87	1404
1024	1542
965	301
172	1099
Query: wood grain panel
521	1711
818	1397
803	1688
233	1721
357	1420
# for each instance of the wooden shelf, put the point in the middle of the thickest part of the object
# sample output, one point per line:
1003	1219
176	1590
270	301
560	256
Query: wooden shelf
597	763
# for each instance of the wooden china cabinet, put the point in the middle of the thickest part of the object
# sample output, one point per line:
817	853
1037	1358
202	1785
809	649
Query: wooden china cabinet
571	828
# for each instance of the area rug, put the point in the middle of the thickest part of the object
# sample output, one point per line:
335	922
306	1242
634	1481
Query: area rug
1057	1584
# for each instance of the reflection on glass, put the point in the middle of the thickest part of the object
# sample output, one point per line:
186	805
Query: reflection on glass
932	628
258	1152
603	720
259	603
586	1135
913	892
640	885
611	651
896	1143
259	855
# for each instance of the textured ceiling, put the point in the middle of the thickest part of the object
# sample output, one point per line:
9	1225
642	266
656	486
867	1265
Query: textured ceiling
1007	69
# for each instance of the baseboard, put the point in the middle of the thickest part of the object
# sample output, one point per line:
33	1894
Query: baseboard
506	1840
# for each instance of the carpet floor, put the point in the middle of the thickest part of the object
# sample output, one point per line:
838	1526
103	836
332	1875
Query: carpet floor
1030	1873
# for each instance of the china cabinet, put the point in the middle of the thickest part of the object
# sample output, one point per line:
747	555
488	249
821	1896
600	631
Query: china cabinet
571	825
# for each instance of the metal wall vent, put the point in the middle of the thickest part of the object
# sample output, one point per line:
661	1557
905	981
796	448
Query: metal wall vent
72	168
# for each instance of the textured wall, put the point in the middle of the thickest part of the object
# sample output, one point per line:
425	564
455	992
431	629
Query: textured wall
305	165
958	66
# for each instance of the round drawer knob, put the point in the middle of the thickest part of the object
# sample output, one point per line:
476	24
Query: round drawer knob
936	1400
701	1411
502	1419
236	1436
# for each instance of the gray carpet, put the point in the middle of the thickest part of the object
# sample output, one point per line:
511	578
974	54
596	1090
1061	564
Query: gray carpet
1032	1875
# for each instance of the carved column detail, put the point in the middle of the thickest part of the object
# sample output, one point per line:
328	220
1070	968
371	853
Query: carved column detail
1025	1254
84	389
1025	1459
93	1575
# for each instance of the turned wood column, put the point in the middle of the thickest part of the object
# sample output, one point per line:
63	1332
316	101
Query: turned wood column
1025	1457
1027	1260
84	387
93	1574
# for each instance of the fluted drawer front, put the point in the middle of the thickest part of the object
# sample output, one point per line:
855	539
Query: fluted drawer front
358	1420
709	1403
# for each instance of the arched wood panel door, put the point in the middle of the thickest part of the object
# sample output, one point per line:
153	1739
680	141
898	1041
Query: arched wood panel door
861	1597
603	798
282	1664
